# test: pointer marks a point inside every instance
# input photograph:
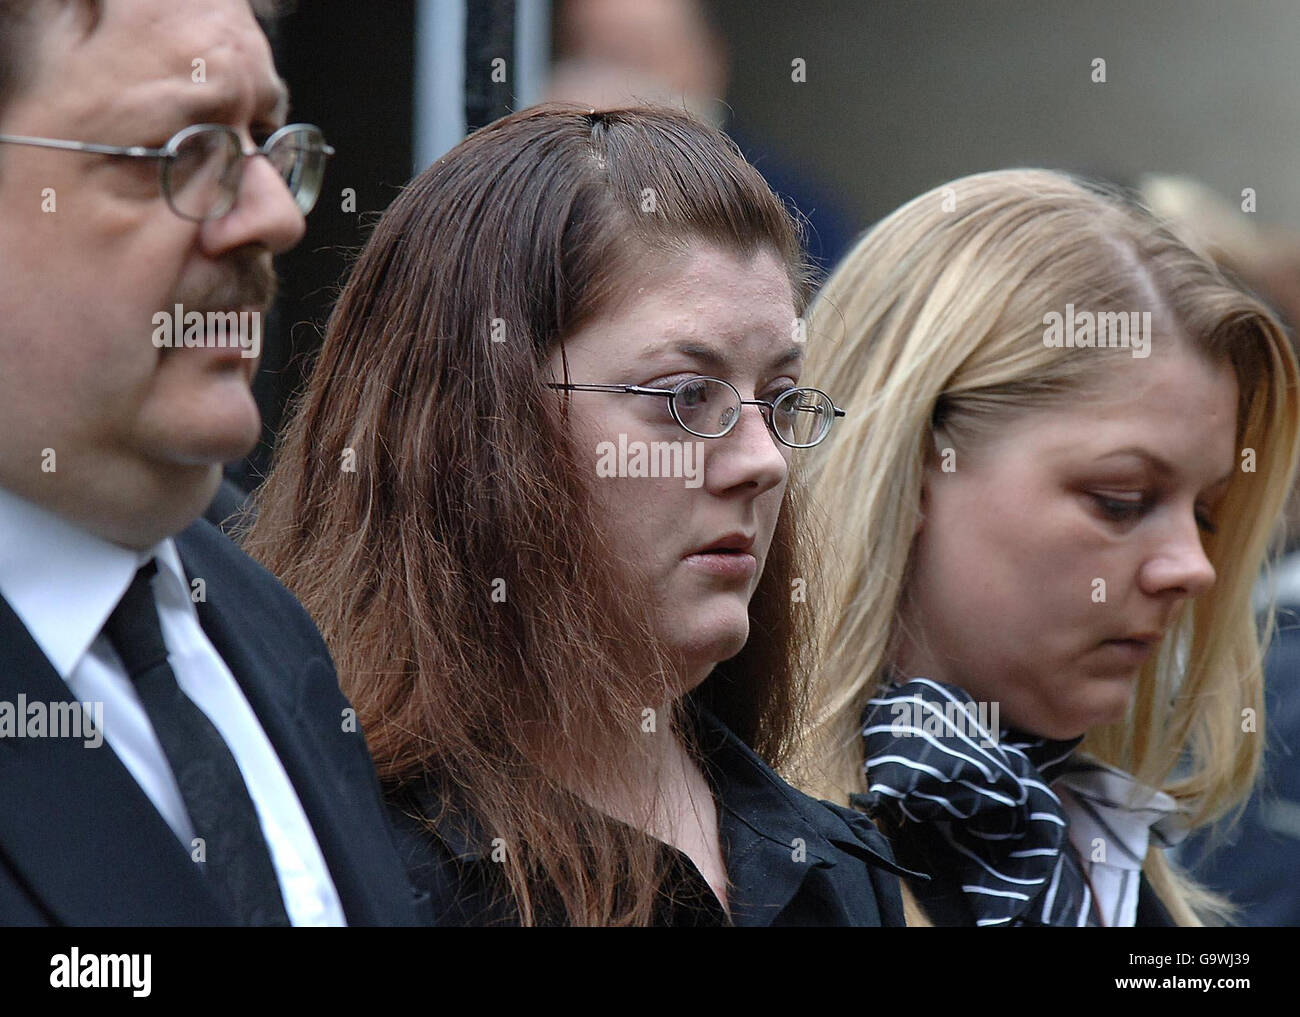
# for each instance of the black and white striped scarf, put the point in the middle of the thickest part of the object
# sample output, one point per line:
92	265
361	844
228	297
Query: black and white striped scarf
972	806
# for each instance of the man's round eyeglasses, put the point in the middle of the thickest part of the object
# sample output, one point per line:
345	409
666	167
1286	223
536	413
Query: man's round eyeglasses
202	165
710	408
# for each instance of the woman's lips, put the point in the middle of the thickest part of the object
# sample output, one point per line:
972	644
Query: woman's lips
725	564
1130	652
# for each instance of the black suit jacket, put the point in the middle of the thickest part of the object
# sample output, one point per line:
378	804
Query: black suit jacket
82	844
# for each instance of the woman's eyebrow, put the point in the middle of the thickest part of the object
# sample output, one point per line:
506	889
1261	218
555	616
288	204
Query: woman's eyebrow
1160	466
711	358
792	355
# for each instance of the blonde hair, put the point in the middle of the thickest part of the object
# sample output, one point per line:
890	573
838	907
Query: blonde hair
935	321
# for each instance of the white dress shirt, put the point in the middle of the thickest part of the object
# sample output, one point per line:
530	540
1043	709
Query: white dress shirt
63	582
1114	820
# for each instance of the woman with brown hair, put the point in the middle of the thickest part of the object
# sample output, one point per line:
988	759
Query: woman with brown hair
538	498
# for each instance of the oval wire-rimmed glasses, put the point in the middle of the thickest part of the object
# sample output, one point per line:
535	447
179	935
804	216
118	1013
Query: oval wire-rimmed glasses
710	408
201	166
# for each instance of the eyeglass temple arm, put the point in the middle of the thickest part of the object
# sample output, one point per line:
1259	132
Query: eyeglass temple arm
134	151
617	389
84	146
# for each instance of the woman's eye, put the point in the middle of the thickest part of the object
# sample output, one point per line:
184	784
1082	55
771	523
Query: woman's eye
1120	510
659	408
695	393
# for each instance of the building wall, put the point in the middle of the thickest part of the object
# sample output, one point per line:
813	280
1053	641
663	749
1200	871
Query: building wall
904	94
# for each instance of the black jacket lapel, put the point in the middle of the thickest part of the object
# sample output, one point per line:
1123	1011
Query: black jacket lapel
76	827
330	769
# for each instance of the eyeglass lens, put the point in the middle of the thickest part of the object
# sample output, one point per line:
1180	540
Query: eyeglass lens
200	174
299	157
203	176
802	416
708	407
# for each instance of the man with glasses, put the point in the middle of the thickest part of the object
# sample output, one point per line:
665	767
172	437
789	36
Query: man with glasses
215	774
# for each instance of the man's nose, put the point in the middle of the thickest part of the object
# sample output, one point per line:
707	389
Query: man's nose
264	214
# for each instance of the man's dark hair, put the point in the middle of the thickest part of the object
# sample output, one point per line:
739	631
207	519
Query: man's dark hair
20	22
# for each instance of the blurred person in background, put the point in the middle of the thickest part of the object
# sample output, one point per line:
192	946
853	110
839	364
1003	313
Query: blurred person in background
612	53
1254	862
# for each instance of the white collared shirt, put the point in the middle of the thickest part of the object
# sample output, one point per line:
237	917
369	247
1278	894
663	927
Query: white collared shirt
63	582
1113	822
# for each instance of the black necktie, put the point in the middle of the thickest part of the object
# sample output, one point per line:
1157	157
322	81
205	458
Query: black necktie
237	864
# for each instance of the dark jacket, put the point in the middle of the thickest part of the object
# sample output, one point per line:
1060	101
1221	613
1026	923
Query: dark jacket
1256	862
790	860
82	844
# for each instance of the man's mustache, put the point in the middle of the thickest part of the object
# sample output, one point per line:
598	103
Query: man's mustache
247	280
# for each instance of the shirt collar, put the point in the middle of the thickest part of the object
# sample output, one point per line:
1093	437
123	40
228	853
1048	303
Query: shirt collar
753	798
64	581
1110	805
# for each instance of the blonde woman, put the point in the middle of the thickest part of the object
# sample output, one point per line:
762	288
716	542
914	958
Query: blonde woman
1042	665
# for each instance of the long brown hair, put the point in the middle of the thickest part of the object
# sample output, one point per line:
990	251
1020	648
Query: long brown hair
426	508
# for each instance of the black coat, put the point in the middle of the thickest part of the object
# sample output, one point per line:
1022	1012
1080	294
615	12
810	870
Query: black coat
1255	866
82	844
790	860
